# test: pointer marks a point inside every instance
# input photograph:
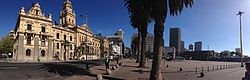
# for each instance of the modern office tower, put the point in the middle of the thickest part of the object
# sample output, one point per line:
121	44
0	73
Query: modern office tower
182	46
191	47
175	39
198	46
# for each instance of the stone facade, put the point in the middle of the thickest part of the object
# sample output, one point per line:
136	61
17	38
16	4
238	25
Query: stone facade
38	39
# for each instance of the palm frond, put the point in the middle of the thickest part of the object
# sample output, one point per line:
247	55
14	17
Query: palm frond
176	6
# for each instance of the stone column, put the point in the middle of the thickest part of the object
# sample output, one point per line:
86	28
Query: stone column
20	51
50	52
36	52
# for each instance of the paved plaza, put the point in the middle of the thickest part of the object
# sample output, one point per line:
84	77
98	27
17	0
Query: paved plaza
231	70
45	71
128	71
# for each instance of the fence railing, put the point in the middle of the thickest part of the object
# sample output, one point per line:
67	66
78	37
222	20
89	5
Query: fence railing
215	67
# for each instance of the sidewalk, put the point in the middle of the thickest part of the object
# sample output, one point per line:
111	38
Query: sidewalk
93	71
129	71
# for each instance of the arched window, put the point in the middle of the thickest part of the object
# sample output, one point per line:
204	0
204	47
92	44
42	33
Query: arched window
65	37
57	35
42	53
71	47
28	51
71	54
70	38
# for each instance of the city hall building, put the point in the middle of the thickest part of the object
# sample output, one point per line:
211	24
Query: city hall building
37	38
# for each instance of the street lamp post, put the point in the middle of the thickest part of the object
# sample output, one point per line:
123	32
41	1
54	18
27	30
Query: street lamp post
241	50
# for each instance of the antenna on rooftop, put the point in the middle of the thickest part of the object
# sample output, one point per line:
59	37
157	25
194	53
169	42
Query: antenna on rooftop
86	19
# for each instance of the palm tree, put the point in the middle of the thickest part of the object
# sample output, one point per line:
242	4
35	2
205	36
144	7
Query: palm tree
139	18
159	10
134	46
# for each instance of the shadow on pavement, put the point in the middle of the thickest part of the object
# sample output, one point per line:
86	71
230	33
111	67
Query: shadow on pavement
63	69
129	66
90	62
140	71
70	70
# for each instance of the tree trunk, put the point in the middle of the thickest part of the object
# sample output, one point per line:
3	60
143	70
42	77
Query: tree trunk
138	47
158	50
143	47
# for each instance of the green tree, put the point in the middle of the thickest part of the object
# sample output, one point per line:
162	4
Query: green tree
6	44
139	18
159	10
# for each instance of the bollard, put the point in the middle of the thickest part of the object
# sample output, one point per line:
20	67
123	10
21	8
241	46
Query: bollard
217	67
180	69
98	77
213	68
202	69
113	67
196	70
207	68
202	74
108	71
117	66
120	64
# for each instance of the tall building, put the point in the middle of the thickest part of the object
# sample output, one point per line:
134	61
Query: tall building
182	46
191	47
38	39
198	46
117	42
175	39
149	41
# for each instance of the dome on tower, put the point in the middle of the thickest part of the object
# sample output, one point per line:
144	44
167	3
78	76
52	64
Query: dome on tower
67	2
36	5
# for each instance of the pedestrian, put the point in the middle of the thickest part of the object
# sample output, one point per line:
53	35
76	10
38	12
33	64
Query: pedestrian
38	59
117	60
106	61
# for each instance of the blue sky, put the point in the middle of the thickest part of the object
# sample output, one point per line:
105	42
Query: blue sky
214	22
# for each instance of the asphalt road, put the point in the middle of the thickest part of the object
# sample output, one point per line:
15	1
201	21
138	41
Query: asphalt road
41	71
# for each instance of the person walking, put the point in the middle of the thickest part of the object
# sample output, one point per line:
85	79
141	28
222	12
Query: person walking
107	61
